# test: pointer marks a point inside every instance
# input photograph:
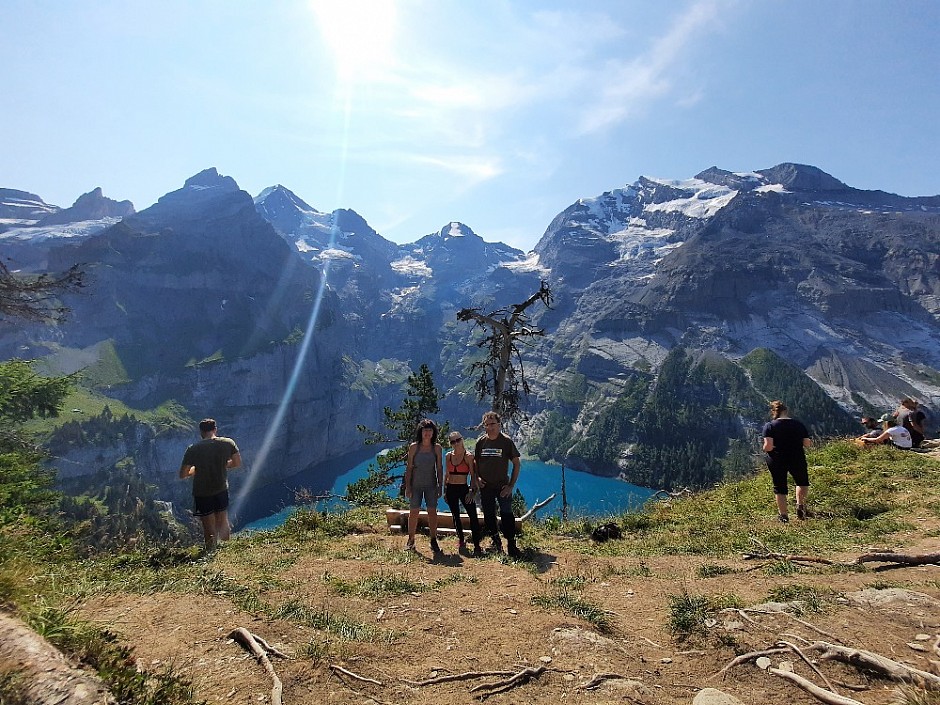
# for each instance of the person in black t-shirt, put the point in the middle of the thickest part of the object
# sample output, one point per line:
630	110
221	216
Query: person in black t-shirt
785	442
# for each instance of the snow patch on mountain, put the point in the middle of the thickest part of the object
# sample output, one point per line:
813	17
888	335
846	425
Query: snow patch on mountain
703	201
408	265
81	229
610	210
640	242
401	297
338	253
530	263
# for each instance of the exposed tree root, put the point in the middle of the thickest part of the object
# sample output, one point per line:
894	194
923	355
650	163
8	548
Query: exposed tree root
250	642
795	649
751	656
46	676
826	696
596	681
469	675
356	676
862	660
519	678
875	663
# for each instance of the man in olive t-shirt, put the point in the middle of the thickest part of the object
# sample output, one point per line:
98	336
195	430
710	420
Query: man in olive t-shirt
208	463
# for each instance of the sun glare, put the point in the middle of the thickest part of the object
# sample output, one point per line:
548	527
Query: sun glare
359	33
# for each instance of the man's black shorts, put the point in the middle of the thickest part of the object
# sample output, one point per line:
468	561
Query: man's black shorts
213	504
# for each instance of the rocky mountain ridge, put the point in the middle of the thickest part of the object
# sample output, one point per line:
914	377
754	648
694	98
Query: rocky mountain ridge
212	284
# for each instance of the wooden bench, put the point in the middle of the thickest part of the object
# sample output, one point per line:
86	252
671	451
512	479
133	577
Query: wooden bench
398	521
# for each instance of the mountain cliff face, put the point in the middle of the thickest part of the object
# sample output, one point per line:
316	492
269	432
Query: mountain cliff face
198	302
840	282
681	308
736	262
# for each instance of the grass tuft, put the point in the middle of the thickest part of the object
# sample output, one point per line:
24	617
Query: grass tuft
710	570
689	614
576	606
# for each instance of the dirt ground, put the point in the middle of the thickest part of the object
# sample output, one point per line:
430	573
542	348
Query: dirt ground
482	618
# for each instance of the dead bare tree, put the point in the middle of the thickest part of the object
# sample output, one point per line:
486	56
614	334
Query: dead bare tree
502	375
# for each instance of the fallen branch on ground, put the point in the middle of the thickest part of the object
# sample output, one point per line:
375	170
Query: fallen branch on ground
874	557
666	496
248	640
901	558
536	507
520	678
767	554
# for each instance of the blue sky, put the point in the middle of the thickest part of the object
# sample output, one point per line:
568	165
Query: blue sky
497	114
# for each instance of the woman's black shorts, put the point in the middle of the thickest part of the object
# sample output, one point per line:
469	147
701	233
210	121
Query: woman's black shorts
795	467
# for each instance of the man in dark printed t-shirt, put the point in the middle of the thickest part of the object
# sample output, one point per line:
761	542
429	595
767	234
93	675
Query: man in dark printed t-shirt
208	462
493	453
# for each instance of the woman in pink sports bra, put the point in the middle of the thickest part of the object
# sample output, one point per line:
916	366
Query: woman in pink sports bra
458	468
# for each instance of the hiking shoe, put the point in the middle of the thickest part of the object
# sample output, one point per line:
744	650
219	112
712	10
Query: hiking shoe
800	511
410	546
514	551
434	546
477	551
783	518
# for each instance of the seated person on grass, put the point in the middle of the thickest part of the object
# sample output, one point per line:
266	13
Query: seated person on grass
893	434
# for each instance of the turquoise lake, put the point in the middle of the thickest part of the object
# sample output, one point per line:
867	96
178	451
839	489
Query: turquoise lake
588	495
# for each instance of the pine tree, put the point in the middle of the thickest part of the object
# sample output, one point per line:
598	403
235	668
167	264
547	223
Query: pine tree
421	400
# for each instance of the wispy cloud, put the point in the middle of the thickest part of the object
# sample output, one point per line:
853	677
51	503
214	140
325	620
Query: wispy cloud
627	87
472	169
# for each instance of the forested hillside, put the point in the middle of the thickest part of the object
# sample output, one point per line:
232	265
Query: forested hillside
696	422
